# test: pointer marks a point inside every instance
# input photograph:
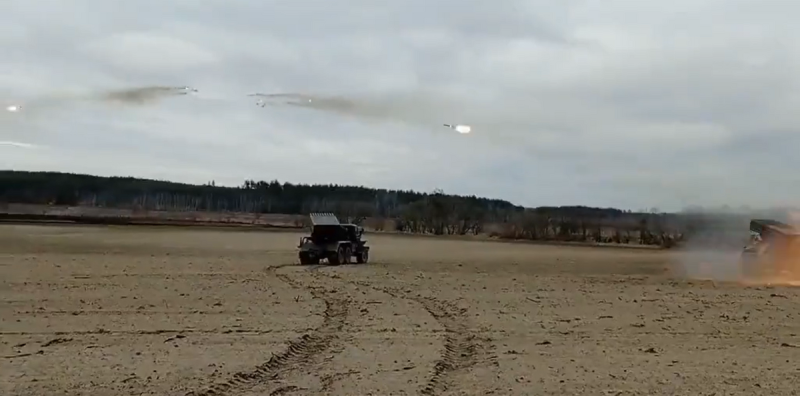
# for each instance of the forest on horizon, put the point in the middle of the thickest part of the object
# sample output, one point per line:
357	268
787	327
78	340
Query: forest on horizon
434	212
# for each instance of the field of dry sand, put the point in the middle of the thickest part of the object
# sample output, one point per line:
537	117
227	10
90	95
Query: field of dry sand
160	311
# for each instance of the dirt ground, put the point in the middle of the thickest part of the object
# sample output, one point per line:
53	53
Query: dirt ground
157	311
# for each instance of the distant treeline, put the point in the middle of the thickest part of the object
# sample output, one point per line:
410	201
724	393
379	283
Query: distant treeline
406	211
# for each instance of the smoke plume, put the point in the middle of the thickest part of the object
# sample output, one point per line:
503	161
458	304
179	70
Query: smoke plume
137	96
17	144
141	95
420	108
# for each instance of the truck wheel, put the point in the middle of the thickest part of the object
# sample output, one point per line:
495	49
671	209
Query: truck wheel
337	258
304	259
348	254
363	257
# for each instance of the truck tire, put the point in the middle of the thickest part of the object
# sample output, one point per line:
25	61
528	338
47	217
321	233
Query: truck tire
304	259
348	255
363	257
338	257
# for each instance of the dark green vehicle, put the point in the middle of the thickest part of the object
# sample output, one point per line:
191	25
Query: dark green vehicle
332	241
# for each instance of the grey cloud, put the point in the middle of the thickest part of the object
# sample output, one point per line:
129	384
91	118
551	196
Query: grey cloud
614	103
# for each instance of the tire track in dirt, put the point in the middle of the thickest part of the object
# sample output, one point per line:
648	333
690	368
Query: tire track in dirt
148	332
285	390
464	347
299	352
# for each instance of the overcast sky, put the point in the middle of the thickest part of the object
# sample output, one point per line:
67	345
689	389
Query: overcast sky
632	104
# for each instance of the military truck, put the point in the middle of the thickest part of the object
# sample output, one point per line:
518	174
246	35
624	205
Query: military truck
774	250
332	241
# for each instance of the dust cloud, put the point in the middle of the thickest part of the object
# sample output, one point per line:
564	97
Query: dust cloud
714	251
713	247
707	262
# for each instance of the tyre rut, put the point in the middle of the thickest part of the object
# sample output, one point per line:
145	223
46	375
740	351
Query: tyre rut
299	352
463	346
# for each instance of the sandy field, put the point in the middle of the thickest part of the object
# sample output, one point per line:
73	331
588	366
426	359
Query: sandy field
161	311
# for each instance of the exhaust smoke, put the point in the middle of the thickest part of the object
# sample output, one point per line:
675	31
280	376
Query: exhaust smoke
137	96
417	108
142	95
17	144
